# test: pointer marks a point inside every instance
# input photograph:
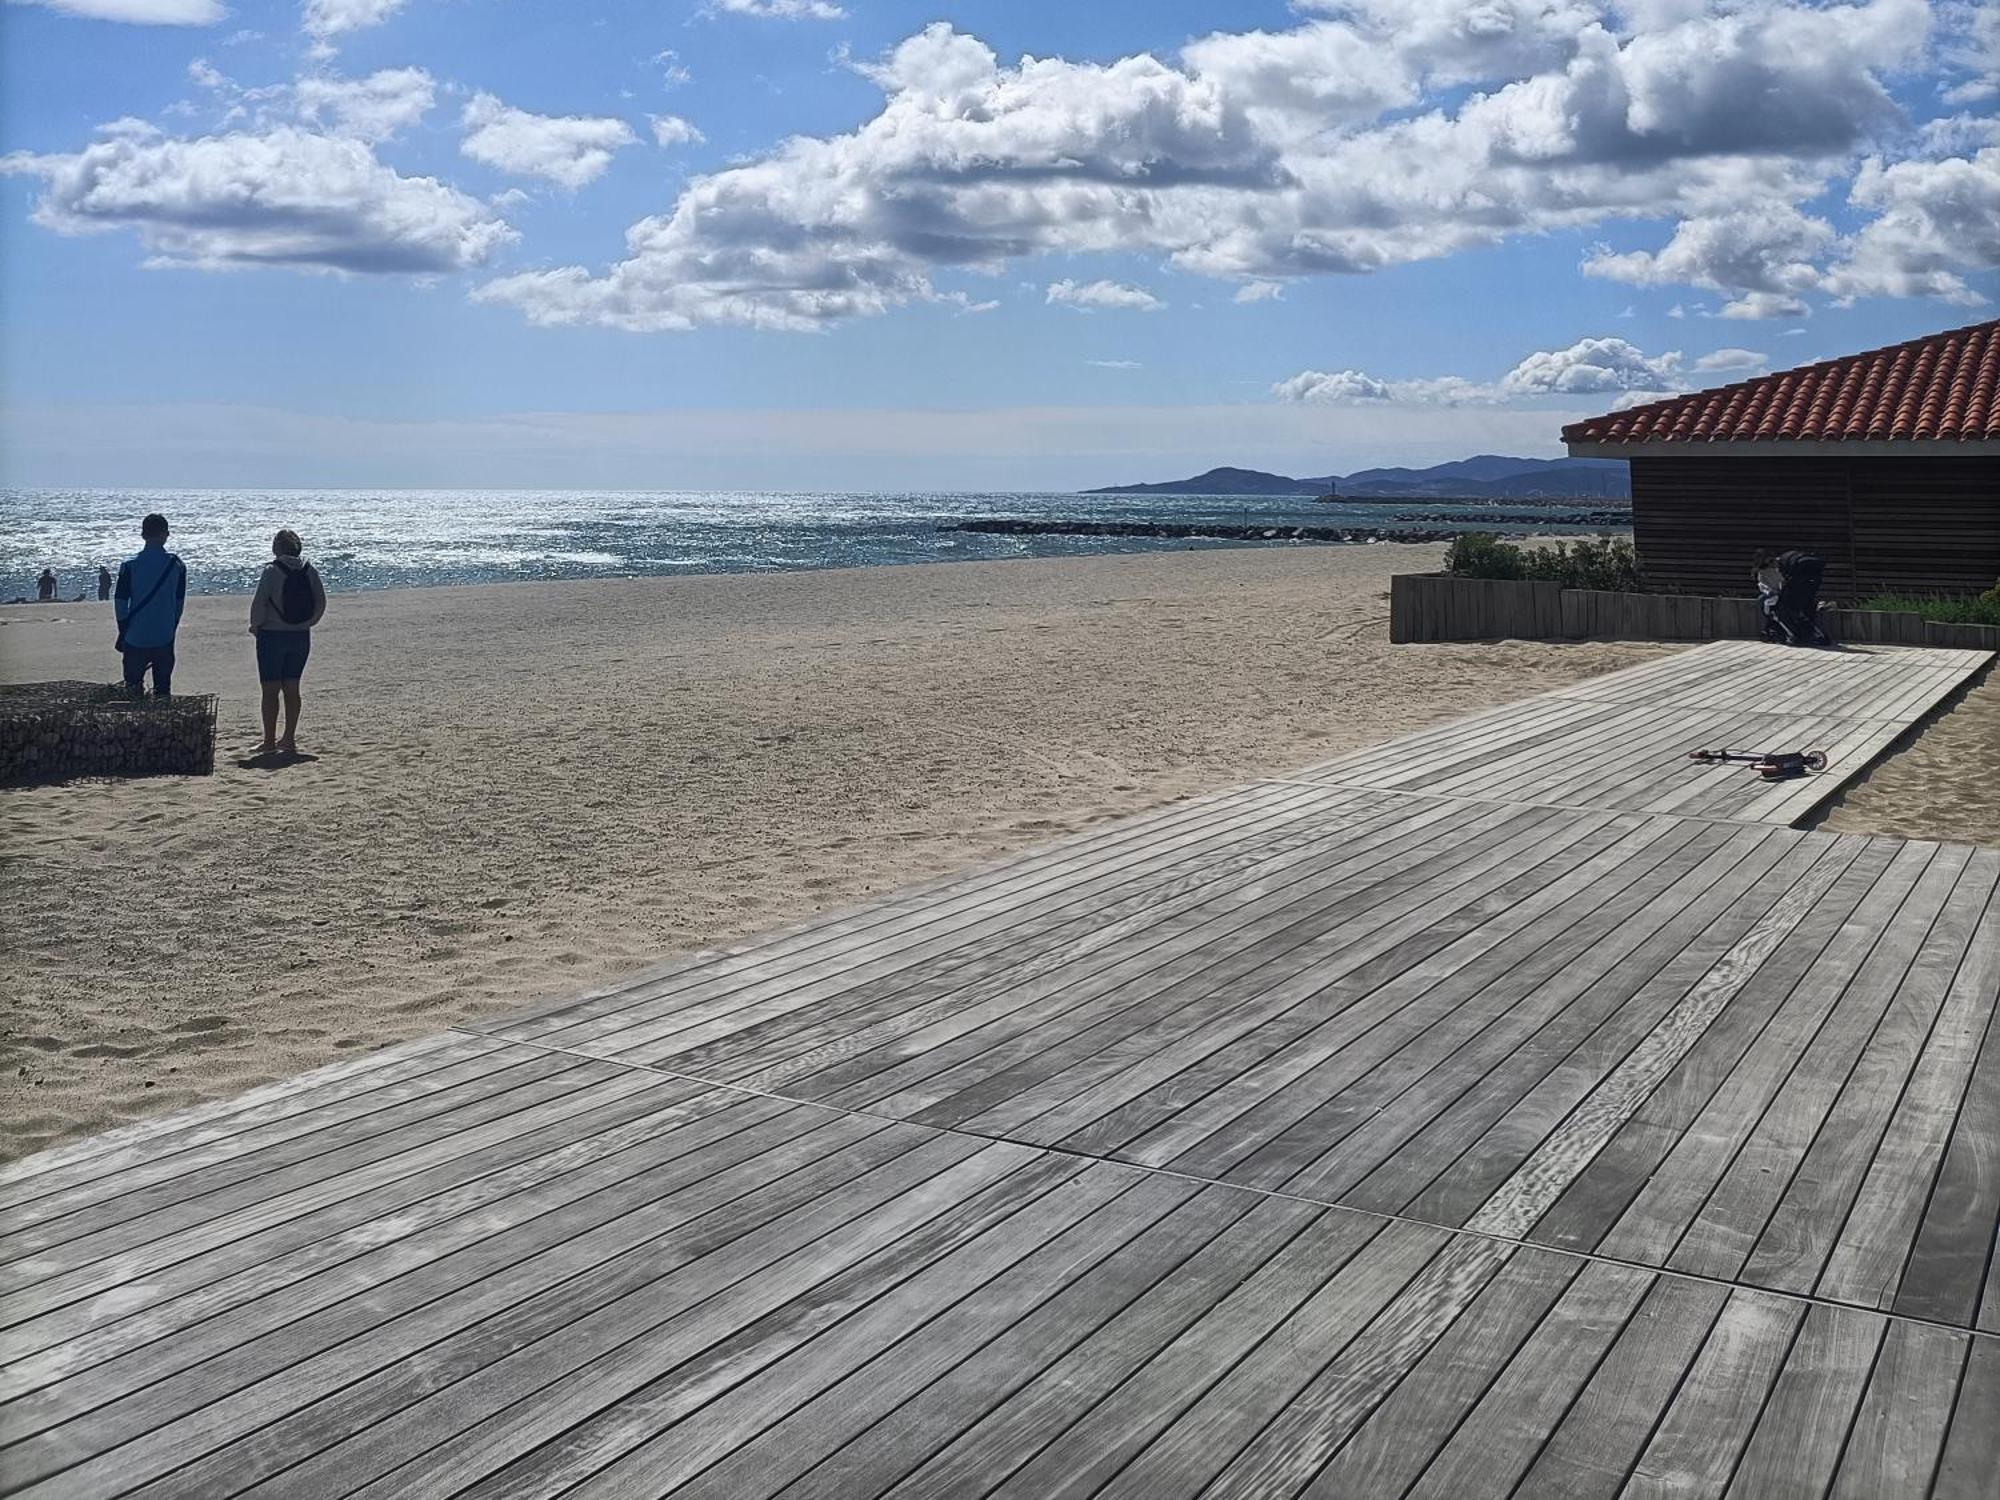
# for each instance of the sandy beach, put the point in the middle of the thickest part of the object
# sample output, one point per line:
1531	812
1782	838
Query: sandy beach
522	790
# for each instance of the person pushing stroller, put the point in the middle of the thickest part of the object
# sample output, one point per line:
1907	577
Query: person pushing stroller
1788	592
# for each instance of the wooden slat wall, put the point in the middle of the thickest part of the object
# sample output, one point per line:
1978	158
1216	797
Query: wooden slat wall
1926	525
1439	607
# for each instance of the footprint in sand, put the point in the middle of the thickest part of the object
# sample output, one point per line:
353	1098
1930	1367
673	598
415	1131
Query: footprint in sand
203	1023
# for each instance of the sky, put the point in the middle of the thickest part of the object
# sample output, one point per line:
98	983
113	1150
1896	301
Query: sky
869	244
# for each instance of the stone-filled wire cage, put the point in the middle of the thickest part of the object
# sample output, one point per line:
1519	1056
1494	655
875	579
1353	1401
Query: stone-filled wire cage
56	731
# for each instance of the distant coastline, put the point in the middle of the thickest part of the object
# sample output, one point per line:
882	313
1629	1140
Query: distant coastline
1484	476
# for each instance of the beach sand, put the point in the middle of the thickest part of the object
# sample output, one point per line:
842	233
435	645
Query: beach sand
525	790
1942	782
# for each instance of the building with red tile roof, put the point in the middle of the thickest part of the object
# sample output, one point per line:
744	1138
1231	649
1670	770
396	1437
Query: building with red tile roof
1886	463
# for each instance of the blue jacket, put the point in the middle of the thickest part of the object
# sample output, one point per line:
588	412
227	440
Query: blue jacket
155	624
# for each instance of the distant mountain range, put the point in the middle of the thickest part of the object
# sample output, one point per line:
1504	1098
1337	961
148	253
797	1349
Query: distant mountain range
1489	476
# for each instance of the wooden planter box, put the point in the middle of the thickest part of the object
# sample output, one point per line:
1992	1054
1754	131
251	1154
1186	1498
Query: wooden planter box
1439	607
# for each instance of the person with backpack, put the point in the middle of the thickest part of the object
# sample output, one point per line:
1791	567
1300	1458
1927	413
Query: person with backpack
148	600
289	601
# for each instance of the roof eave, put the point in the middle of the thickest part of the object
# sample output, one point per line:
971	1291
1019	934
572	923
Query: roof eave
1789	448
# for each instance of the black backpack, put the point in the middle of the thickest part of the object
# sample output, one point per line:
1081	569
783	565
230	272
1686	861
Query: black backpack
295	596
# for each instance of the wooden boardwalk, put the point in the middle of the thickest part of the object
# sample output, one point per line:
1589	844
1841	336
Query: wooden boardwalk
1340	1135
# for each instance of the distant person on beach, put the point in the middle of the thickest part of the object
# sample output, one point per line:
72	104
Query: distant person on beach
104	583
148	599
46	585
289	601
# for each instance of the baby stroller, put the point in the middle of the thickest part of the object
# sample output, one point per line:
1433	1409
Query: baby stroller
1788	590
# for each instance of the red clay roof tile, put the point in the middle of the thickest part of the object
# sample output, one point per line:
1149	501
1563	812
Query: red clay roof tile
1942	388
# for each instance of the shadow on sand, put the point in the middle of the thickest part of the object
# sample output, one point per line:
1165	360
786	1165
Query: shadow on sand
276	760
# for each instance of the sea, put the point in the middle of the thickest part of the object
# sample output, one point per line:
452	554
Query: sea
381	539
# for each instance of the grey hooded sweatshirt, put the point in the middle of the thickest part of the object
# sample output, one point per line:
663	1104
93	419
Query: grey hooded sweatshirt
264	611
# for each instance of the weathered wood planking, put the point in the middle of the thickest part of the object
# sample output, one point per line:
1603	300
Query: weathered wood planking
1621	741
1582	1131
1630	1035
812	1304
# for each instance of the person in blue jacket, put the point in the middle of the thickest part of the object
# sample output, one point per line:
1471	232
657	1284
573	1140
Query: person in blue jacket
151	592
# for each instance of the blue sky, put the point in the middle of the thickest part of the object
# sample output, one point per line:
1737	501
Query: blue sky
794	243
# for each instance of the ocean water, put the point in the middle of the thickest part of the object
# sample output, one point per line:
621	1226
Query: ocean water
372	539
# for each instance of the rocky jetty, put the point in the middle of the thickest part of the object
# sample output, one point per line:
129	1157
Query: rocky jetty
1617	520
1204	531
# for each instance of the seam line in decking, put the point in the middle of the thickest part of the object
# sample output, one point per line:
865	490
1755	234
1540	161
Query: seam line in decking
1580	1256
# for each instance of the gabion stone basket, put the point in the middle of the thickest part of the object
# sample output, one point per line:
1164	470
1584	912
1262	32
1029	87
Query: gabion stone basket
54	731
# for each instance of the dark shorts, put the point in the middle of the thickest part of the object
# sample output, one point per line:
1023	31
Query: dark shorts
281	654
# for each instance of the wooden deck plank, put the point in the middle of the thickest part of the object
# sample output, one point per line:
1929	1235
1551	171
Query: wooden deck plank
1509	977
724	1401
966	1191
1337	901
1381	1035
156	1139
1594	1447
1694	1153
1502	1436
1899	1433
820	936
1004	1101
1621	741
996	1412
708	1033
1451	1168
1724	1233
1297	947
1971	1455
1808	1223
1701	1436
271	1282
867	944
1523	948
1796	1447
1633	1158
788	1051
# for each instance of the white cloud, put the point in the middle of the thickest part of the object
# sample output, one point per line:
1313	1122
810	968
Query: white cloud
1592	365
1757	306
280	197
1771	248
1731	359
1091	295
1115	364
1354	388
1970	49
1934	220
673	73
1259	291
1336	146
326	19
569	150
374	108
779	10
140	12
672	130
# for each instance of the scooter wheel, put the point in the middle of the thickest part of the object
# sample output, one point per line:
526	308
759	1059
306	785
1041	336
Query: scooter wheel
1816	760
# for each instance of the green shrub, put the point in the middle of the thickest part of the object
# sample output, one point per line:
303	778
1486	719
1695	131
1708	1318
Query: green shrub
1608	563
1981	609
